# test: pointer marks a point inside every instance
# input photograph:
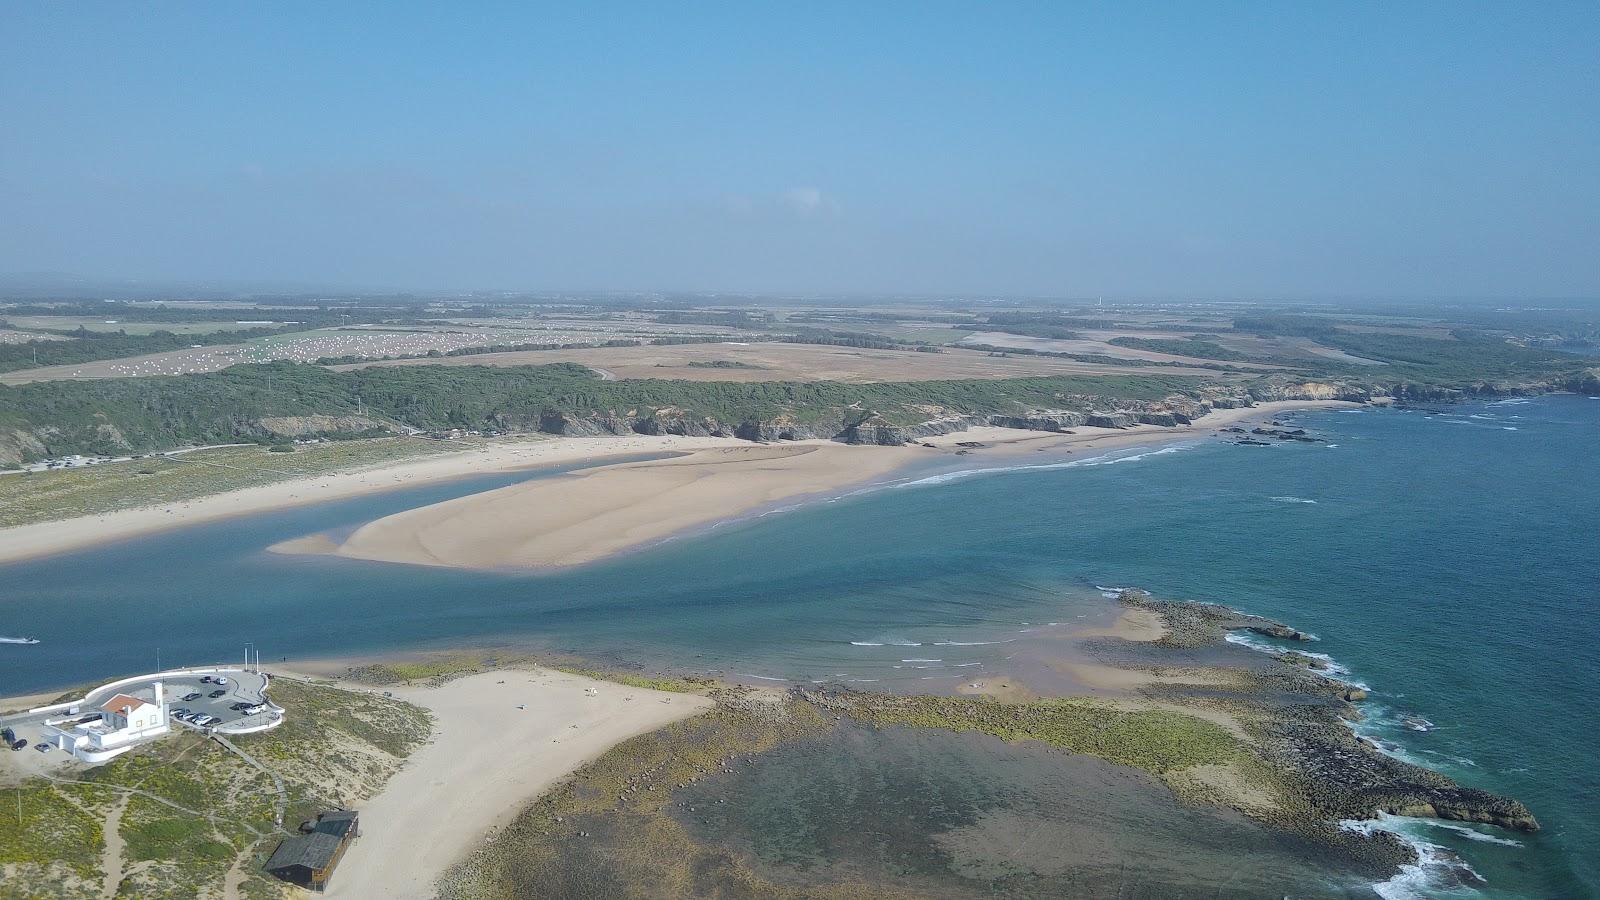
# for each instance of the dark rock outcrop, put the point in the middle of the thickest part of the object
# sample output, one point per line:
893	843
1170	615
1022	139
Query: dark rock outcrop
1041	420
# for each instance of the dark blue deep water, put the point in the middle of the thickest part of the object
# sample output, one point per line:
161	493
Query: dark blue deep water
1450	560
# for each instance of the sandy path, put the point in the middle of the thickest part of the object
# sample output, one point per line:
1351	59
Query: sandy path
111	856
487	760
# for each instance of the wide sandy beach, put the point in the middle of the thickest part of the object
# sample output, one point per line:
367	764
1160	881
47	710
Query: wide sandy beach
670	499
500	739
588	515
62	535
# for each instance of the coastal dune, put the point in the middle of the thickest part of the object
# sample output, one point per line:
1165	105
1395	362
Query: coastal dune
583	516
500	740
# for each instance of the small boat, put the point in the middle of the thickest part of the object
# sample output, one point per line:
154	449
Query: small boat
18	640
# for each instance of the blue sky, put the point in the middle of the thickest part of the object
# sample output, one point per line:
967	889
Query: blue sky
1055	149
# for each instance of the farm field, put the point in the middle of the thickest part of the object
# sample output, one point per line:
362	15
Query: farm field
772	361
111	323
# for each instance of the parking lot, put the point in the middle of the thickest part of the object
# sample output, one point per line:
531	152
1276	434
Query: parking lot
242	687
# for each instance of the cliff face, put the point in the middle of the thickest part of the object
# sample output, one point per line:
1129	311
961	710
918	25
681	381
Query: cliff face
302	426
848	423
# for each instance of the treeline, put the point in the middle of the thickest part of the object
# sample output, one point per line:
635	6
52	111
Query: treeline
734	318
883	317
144	414
84	345
1197	348
534	347
1468	355
857	339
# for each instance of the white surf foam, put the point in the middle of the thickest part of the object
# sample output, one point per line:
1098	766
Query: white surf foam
970	643
1103	460
762	677
1335	669
921	660
1436	871
1290	500
1470	834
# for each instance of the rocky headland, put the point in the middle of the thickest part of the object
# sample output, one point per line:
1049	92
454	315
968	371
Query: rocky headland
1297	716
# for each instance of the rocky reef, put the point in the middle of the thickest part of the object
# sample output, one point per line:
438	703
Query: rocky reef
1296	715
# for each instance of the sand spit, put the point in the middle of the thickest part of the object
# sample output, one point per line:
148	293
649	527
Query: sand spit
63	535
530	451
587	515
500	739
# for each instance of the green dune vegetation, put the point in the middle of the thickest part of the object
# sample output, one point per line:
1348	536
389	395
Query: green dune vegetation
181	817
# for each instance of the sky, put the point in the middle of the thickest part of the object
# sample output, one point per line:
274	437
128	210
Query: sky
1059	149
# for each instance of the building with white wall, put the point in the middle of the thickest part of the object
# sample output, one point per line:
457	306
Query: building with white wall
121	723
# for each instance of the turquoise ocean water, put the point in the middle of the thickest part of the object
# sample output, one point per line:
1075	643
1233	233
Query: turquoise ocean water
1448	558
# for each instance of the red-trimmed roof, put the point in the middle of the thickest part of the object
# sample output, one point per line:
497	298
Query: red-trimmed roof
122	703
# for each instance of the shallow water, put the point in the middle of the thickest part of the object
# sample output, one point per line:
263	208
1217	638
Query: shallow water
947	814
1448	559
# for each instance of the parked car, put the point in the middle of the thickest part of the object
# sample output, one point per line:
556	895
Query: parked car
19	743
221	680
205	679
191	696
46	748
215	694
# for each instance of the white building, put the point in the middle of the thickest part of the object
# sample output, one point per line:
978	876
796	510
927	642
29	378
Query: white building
122	723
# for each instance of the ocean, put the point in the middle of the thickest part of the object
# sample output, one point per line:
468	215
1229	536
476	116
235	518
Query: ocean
1446	557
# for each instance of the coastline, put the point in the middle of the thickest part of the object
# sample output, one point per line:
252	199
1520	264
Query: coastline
83	532
64	535
596	513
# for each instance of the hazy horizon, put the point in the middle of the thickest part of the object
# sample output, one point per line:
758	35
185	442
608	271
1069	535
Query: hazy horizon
1247	151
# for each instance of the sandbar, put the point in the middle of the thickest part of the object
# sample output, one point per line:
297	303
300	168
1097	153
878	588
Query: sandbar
583	516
